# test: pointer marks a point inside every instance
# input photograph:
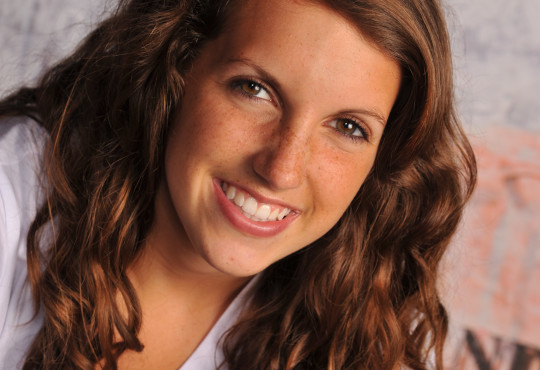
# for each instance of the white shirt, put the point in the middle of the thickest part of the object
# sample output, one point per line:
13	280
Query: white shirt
21	143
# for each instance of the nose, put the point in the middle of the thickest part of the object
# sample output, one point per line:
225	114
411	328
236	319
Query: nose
283	159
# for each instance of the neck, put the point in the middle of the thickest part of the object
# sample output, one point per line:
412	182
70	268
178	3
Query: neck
169	264
156	273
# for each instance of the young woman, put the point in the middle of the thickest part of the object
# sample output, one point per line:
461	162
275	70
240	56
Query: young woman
250	184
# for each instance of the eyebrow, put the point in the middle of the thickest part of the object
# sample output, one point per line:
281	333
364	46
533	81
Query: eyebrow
275	85
272	81
366	112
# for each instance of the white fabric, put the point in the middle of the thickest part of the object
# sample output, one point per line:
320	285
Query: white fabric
21	141
19	161
205	357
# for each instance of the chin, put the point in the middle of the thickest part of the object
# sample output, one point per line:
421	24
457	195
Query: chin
238	261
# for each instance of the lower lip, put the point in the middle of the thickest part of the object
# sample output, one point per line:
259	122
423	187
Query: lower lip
255	228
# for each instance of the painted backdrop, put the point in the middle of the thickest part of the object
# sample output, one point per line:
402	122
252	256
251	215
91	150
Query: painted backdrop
493	272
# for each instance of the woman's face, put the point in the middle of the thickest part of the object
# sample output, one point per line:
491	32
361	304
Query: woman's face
279	127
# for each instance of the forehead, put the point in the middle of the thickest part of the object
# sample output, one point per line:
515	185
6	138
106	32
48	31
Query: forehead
305	22
312	48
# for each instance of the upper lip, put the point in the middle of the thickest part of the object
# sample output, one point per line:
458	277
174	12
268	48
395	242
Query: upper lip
261	198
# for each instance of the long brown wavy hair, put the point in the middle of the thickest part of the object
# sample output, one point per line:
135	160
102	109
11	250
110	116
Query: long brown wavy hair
363	296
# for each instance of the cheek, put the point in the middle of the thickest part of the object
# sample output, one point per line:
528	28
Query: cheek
340	176
213	128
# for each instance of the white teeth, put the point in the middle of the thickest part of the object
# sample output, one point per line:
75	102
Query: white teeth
283	213
273	216
231	192
239	199
251	216
263	212
250	207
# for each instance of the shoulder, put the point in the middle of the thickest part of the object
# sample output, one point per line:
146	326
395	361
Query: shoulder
21	144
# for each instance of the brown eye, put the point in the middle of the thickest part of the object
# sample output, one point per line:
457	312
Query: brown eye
253	89
346	126
349	128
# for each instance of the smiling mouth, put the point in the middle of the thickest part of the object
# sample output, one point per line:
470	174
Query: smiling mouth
251	208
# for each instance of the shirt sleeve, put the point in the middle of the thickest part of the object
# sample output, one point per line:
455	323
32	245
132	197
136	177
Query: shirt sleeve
20	157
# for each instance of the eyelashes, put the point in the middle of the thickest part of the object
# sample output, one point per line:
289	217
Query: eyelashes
252	89
348	126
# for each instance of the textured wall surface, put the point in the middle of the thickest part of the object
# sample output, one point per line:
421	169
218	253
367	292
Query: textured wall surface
35	33
492	273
